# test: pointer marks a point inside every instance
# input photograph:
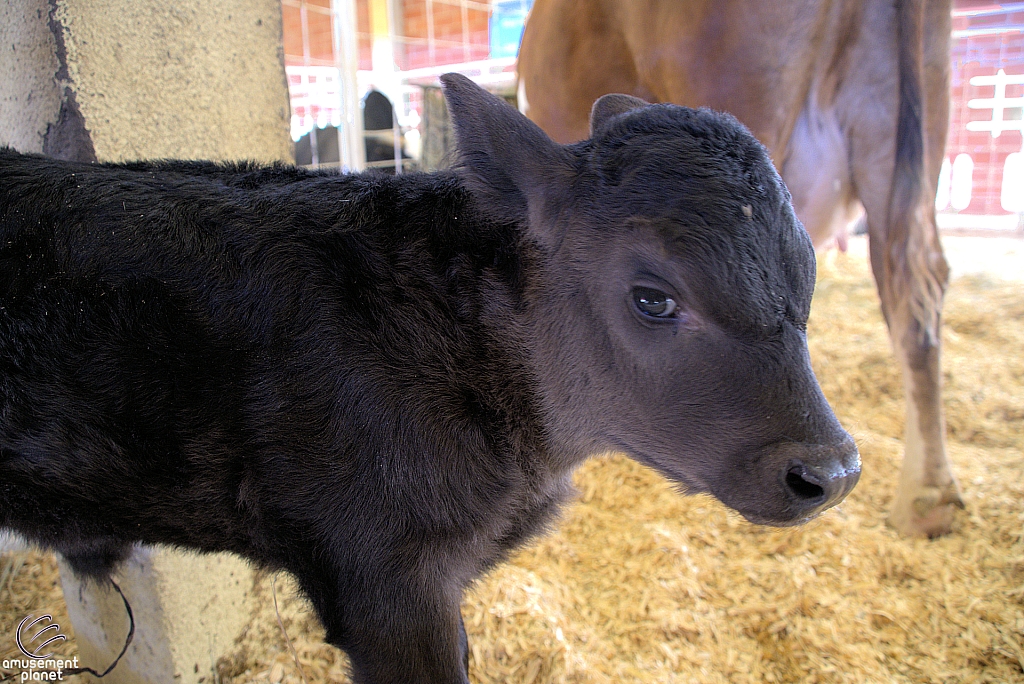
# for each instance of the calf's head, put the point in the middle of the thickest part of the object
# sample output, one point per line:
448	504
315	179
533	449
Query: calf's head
669	308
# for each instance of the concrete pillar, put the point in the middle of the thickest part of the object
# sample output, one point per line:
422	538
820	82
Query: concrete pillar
133	79
112	80
188	610
31	92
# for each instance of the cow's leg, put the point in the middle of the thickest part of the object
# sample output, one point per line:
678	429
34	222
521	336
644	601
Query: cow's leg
911	289
896	110
911	274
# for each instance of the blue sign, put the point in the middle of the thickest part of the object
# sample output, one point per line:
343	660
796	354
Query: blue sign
507	20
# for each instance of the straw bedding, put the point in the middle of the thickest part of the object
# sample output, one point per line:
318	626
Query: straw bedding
640	584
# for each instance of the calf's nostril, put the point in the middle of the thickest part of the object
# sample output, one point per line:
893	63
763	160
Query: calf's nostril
798	483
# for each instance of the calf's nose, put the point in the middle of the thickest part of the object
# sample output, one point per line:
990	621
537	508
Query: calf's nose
820	481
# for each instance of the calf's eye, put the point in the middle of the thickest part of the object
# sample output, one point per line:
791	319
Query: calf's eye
653	303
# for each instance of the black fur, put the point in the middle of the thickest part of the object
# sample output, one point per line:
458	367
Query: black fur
382	384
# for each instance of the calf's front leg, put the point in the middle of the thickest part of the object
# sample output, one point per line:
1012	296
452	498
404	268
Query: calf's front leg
397	631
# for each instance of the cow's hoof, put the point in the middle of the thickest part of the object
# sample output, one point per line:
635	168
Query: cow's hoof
928	514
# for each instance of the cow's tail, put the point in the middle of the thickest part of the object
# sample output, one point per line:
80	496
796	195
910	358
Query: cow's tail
913	259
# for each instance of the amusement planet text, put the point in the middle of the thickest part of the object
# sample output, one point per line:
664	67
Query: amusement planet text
46	670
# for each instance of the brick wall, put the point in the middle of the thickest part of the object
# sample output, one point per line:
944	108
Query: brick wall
429	33
321	42
460	32
983	44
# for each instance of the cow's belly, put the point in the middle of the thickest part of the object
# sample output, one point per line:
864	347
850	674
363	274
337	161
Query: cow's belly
816	168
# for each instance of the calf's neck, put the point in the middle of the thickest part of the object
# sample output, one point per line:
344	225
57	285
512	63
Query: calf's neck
383	384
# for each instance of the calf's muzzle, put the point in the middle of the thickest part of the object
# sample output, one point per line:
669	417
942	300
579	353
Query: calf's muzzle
813	477
787	483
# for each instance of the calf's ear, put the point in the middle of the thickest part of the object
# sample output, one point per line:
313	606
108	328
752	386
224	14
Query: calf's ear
608	107
515	171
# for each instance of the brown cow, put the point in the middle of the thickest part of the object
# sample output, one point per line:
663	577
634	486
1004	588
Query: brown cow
851	98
